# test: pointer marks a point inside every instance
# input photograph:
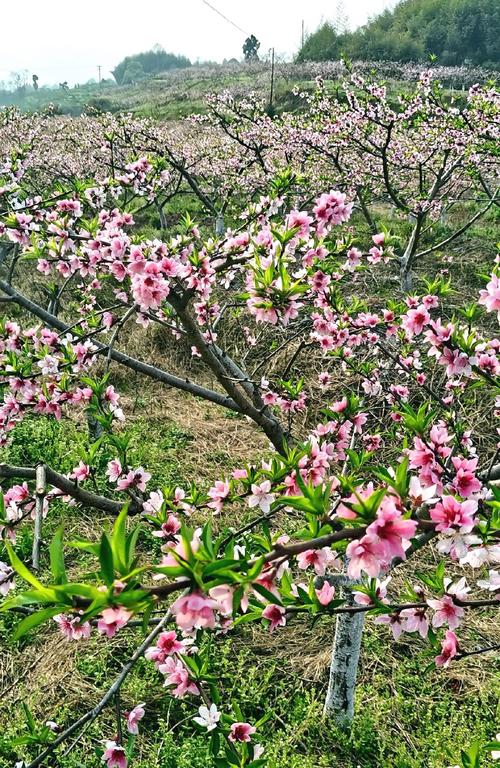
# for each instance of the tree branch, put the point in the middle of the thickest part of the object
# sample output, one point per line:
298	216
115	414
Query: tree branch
119	357
68	488
456	234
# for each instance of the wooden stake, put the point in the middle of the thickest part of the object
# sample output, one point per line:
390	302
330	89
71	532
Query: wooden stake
39	496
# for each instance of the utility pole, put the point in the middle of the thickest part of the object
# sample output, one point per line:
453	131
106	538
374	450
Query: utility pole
271	96
99	70
303	35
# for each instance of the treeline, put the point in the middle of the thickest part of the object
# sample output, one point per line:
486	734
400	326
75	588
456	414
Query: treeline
134	68
456	31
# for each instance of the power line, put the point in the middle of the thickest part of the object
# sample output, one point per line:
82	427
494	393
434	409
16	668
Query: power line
224	17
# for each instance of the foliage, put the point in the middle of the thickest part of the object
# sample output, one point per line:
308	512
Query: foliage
455	31
132	68
251	48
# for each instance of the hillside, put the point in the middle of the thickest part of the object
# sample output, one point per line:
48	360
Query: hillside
456	31
177	93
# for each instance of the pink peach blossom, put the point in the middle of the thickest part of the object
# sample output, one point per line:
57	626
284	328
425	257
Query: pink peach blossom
133	719
446	612
113	619
194	611
114	755
276	615
449	649
241	732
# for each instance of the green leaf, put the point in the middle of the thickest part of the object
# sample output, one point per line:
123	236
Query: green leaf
263	720
237	597
133	597
57	566
247	618
492	746
34	620
146	617
130	545
221	762
106	561
173	570
130	745
471	757
255	570
118	541
187	537
192	664
30	597
220	565
30	720
266	594
300	503
215	743
87	546
81	590
206	538
21	569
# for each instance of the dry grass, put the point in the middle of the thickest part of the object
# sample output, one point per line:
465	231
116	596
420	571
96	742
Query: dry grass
47	678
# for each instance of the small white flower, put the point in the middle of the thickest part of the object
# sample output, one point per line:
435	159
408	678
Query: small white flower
458	589
208	717
479	556
261	497
239	551
48	364
258	751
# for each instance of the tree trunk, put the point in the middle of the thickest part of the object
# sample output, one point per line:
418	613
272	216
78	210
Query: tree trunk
162	217
406	276
220	225
344	664
94	427
407	259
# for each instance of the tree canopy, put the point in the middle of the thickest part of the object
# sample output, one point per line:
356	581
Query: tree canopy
251	48
150	62
456	31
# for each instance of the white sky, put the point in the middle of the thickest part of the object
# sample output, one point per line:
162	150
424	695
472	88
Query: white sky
60	40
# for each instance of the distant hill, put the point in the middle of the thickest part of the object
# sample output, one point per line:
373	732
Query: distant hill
456	31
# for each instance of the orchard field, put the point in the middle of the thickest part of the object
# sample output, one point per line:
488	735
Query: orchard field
249	428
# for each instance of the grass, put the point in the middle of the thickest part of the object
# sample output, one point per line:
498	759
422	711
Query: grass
172	96
405	718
